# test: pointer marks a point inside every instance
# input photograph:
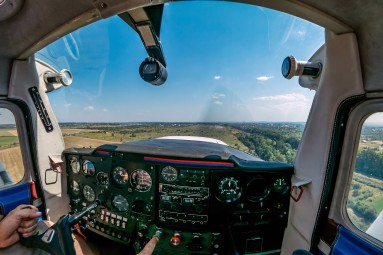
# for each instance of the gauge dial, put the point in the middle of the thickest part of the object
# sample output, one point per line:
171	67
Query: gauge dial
280	185
75	187
120	203
257	189
102	178
74	164
169	174
120	175
229	190
88	193
141	180
88	168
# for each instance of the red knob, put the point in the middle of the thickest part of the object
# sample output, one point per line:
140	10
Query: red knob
175	240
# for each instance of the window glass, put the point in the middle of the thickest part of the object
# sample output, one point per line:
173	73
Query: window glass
224	79
11	162
365	200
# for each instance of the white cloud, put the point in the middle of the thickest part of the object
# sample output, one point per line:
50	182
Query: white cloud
301	33
286	97
105	110
218	95
264	78
67	105
89	108
217	102
217	77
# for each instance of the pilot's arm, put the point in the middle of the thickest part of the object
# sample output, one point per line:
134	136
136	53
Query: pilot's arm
149	247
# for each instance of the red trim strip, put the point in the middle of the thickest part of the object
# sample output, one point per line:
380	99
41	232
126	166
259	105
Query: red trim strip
190	162
103	152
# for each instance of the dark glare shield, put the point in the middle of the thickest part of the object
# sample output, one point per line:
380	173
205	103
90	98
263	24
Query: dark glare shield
152	71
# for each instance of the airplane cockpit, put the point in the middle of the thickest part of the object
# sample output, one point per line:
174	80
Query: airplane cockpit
213	127
200	196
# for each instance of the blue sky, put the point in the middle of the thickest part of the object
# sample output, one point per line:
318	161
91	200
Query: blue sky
223	63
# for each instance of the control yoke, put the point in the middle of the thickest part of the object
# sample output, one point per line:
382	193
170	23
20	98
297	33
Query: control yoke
57	239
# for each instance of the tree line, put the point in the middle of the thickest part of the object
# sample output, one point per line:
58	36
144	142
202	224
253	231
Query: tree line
370	162
270	141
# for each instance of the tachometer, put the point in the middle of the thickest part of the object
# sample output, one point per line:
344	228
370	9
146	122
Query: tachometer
88	193
169	174
120	203
141	180
120	175
229	190
74	164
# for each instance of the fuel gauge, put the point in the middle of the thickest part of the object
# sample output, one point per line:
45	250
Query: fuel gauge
280	185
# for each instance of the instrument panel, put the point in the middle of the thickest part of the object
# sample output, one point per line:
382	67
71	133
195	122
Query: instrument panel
197	204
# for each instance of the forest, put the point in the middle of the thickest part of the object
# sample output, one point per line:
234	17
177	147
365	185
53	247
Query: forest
271	141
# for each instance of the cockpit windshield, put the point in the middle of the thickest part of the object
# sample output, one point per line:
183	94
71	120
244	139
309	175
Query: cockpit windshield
224	81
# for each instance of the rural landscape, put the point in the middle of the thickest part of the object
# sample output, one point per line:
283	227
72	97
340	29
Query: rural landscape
268	141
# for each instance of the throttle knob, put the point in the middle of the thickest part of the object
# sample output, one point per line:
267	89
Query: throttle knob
175	240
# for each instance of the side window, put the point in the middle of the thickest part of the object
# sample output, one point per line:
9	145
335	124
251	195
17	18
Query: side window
365	200
11	163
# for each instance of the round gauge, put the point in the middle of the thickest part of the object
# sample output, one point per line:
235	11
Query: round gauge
280	185
257	189
88	193
75	187
229	190
120	203
74	164
120	175
169	174
102	178
88	168
141	180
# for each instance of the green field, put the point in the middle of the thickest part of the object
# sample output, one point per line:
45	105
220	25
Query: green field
138	132
365	200
8	141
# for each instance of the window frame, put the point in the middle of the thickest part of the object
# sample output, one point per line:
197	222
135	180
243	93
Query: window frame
21	127
355	122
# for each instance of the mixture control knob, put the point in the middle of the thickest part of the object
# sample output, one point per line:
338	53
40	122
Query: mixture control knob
175	240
